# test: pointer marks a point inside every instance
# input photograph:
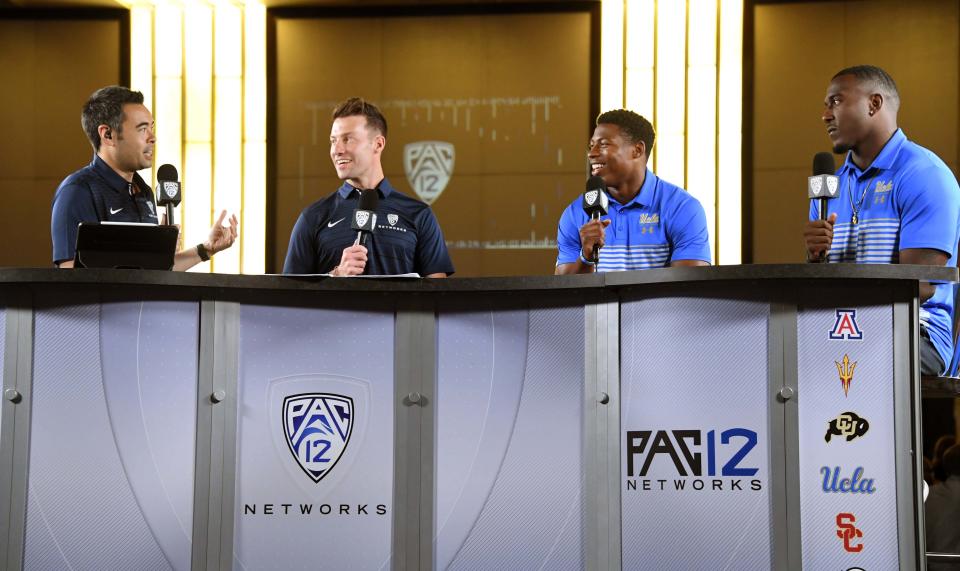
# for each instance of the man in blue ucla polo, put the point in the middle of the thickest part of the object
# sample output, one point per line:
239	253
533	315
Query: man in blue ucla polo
650	222
407	237
898	202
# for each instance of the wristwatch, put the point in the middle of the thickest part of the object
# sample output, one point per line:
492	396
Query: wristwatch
202	252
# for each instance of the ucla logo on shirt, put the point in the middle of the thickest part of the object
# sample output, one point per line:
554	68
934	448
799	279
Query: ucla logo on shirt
648	221
846	326
882	191
317	428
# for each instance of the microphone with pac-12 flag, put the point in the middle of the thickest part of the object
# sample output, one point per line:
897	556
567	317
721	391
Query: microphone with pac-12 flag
365	216
823	185
595	204
168	189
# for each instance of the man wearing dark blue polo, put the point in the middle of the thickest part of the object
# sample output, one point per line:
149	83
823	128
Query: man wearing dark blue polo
650	224
898	202
407	238
120	129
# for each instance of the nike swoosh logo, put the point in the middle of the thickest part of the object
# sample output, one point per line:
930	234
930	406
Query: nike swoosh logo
112	211
332	224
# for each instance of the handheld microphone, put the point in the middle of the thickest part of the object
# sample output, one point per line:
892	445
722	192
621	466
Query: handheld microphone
365	216
168	189
595	203
823	185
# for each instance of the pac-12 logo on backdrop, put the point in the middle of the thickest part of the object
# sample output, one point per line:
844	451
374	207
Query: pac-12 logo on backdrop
714	459
846	326
429	166
317	429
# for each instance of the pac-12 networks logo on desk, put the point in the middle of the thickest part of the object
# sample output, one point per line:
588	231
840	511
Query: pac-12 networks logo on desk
317	428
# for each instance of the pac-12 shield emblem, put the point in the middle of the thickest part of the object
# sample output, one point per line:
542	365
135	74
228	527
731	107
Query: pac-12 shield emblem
317	428
429	165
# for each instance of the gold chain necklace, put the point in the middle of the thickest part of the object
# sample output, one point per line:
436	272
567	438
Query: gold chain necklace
856	207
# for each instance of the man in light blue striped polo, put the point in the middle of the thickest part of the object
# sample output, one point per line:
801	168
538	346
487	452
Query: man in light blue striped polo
898	202
650	223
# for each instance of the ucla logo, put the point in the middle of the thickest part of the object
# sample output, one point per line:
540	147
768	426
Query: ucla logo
317	429
883	186
428	165
846	327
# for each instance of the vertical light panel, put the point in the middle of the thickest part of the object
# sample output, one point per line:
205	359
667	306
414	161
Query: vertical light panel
228	123
253	216
611	54
671	91
730	128
141	52
198	122
168	84
641	18
701	167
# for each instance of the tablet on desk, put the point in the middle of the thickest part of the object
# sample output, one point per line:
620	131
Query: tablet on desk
126	245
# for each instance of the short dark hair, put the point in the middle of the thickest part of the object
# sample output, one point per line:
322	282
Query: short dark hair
951	460
105	107
632	125
873	74
357	106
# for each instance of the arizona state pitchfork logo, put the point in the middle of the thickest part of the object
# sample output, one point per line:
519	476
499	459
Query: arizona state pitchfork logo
845	369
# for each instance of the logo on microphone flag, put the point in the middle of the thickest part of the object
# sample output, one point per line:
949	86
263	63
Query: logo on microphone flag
361	216
428	166
591	197
816	185
832	184
170	189
317	428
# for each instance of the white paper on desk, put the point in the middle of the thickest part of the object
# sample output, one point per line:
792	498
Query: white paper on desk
413	275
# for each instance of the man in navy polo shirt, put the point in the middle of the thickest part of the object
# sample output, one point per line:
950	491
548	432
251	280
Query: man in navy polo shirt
898	202
650	222
120	128
407	237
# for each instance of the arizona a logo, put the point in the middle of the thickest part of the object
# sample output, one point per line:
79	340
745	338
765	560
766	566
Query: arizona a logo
846	327
429	165
317	429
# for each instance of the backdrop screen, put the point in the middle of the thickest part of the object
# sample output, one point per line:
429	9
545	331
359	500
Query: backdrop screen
488	120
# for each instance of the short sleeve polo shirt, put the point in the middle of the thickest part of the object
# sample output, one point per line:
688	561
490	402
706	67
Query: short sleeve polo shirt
663	223
407	237
96	193
907	198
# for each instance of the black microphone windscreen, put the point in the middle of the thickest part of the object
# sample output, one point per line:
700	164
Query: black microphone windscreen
369	199
596	183
168	173
823	164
